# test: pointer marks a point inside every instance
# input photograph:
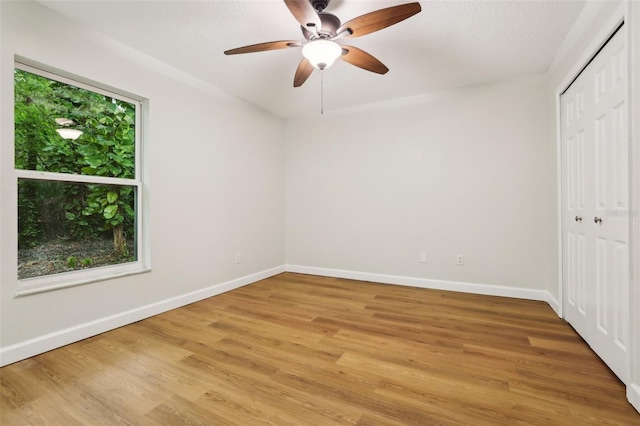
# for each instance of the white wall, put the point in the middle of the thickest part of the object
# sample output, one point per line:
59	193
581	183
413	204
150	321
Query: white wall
463	173
215	186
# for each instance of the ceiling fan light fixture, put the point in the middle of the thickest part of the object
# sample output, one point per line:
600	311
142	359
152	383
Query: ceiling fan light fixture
322	53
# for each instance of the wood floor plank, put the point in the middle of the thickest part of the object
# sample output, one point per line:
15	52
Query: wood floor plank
463	407
245	387
306	350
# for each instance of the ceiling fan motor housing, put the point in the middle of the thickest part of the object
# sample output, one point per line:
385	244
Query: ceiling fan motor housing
330	25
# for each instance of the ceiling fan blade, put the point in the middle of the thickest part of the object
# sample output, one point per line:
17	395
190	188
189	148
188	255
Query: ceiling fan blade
362	59
261	47
378	20
305	14
302	73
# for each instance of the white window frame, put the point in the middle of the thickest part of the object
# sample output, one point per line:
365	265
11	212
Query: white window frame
44	283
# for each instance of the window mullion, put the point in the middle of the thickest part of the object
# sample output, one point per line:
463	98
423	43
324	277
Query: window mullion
65	177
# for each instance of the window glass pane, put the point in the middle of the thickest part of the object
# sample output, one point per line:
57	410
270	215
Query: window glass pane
70	226
65	129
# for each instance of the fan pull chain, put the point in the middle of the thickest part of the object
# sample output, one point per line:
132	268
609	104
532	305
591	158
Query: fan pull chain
322	92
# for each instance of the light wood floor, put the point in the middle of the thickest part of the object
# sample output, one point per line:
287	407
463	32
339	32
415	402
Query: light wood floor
304	350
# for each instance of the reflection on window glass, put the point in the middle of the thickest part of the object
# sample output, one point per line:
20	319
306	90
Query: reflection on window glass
65	129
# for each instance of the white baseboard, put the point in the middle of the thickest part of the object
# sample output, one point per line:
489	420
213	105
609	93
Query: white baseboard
487	289
32	347
633	395
555	305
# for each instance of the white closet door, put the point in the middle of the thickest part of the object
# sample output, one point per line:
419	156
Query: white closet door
577	112
595	178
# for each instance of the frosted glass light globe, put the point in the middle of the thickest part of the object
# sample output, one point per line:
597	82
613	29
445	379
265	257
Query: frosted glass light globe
322	53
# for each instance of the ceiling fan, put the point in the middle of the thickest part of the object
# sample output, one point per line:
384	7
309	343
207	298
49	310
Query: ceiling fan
322	29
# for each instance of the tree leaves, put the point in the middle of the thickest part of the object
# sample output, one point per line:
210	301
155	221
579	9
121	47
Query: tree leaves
110	211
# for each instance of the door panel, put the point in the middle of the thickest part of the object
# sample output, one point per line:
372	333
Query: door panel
621	290
576	187
601	301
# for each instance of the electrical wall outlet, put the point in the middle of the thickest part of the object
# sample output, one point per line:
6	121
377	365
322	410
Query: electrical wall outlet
423	257
460	260
237	257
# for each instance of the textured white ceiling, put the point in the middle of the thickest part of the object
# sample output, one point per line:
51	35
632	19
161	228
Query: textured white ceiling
450	44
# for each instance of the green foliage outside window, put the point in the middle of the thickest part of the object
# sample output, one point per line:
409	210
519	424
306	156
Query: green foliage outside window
106	148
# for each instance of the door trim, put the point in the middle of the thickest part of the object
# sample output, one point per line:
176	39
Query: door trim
633	391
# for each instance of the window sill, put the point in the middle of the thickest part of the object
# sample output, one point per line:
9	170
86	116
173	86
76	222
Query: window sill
31	286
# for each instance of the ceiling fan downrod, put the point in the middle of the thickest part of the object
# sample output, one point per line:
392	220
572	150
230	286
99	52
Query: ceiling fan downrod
319	5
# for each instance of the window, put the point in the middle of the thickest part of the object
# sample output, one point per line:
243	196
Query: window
77	163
